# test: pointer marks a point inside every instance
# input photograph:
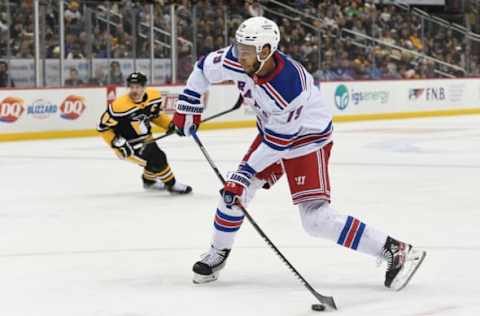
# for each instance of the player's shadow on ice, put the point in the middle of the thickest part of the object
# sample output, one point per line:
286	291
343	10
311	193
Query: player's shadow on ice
126	195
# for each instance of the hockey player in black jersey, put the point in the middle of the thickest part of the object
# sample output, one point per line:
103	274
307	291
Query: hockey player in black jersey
126	124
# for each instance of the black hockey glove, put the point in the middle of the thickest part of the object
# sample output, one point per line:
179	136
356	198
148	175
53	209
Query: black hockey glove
121	147
171	128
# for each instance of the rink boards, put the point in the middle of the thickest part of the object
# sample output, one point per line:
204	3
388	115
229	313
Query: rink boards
53	113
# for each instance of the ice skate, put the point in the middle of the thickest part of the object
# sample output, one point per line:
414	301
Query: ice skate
403	260
207	269
154	186
179	188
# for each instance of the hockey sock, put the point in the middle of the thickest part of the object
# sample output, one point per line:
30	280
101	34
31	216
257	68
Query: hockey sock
225	226
321	220
357	235
166	176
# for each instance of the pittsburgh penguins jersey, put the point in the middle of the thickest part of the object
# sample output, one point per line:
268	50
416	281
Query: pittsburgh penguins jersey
292	116
132	120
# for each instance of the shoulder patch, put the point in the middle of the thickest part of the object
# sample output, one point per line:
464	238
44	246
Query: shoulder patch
230	62
288	84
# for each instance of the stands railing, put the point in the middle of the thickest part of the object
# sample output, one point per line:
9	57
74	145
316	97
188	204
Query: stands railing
445	68
455	68
431	25
164	41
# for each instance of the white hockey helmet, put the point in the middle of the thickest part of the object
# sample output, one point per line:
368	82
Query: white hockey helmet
259	31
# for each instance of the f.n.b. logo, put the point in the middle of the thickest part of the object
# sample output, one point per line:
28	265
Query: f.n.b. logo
11	108
72	107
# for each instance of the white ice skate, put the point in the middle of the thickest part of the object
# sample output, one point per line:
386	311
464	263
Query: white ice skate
403	260
208	269
179	188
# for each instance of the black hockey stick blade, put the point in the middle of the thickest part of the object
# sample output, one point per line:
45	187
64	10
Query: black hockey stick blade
327	300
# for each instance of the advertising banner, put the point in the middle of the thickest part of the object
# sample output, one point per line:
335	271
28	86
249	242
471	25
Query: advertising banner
370	97
49	110
79	109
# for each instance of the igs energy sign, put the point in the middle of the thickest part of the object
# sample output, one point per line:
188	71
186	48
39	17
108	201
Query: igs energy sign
47	110
370	97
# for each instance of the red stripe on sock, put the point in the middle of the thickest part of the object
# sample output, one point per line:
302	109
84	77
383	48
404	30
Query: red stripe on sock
227	223
351	234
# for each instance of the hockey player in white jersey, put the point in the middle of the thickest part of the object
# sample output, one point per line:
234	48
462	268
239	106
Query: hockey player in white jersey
294	139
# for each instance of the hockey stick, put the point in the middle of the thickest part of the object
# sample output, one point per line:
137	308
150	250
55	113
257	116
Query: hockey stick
326	300
235	107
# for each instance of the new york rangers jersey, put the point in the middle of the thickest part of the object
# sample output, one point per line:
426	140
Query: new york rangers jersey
292	117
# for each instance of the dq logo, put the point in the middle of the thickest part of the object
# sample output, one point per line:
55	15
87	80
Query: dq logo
72	107
11	108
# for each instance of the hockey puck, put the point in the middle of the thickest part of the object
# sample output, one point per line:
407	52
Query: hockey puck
318	307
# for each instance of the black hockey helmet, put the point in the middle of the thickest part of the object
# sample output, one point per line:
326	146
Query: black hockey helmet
138	78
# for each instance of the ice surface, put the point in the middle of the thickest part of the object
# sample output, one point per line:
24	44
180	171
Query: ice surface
79	236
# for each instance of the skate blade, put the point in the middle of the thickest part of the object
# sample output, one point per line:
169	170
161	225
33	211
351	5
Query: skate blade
154	189
173	192
201	279
400	283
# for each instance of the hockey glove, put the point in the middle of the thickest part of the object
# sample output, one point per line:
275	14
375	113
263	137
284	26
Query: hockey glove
122	148
171	128
187	116
236	184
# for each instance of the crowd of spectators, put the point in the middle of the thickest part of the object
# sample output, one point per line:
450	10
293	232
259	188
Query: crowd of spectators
120	29
344	54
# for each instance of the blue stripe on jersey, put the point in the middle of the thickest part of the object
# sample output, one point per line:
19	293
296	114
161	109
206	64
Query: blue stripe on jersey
271	97
345	230
230	55
229	217
283	136
201	61
288	82
274	146
329	127
183	97
326	132
358	236
192	93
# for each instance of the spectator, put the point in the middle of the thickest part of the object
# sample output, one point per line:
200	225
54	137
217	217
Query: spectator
75	53
389	23
116	76
475	69
373	71
416	41
99	79
392	71
72	12
73	80
5	80
426	70
207	46
253	8
25	50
